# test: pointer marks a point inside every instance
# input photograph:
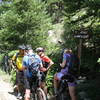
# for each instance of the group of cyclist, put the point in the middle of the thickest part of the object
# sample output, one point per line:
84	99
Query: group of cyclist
21	62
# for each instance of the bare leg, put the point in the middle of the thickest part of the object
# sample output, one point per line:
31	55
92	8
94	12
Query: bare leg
72	92
27	94
55	83
43	86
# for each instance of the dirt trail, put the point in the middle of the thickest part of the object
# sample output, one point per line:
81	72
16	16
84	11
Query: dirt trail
6	90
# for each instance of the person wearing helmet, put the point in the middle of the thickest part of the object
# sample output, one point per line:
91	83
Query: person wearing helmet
28	49
17	65
47	63
30	60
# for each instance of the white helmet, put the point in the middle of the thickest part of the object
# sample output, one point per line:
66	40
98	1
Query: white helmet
39	49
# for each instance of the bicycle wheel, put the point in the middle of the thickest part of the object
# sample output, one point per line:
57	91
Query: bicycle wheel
40	94
62	94
63	97
33	96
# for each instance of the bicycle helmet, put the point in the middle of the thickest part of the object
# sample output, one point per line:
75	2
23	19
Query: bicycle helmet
28	47
66	50
39	49
21	47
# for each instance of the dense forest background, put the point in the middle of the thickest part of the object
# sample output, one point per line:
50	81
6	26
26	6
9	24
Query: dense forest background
53	25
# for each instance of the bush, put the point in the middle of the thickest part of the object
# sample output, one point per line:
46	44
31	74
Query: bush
11	53
13	76
1	58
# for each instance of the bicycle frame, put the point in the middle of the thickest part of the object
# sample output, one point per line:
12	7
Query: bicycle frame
36	88
62	90
63	93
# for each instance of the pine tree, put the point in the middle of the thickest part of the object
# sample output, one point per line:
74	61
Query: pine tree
26	22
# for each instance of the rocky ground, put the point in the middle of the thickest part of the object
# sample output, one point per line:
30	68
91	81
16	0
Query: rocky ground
5	91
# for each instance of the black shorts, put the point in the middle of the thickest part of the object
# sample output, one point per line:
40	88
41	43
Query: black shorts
43	76
19	77
29	81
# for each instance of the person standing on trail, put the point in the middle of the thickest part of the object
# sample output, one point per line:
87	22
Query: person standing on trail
47	64
17	60
5	65
30	60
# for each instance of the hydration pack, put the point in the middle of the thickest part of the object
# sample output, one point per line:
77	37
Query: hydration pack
33	64
74	65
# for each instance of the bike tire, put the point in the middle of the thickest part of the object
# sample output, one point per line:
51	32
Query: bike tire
40	94
62	97
33	96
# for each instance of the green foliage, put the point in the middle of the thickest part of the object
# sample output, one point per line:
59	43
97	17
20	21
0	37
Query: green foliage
49	81
28	22
1	59
98	60
13	76
56	57
25	22
83	14
11	53
87	87
55	9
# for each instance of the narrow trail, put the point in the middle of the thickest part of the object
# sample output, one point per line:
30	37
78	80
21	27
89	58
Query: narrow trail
6	90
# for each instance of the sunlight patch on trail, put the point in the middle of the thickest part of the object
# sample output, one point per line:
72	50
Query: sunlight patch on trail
5	90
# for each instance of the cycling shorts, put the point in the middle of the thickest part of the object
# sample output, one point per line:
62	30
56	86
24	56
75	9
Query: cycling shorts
59	75
29	81
19	77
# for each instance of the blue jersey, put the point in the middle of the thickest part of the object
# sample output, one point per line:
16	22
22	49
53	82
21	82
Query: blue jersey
27	62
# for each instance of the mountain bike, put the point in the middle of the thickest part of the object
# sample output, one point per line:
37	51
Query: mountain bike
36	91
63	93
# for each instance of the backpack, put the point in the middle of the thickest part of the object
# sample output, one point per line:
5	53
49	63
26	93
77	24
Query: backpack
74	65
33	64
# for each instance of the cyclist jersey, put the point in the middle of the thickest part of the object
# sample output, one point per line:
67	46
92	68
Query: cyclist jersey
18	60
45	61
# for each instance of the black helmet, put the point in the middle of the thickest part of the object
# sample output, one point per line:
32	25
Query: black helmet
21	47
39	49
